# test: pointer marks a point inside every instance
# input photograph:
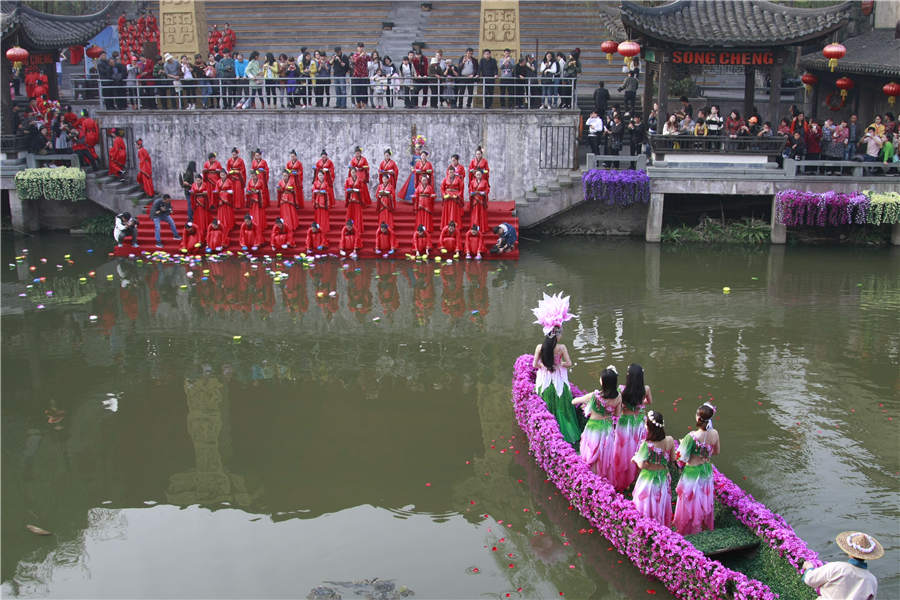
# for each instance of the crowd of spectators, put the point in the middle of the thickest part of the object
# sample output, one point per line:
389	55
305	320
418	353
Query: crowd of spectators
225	79
610	129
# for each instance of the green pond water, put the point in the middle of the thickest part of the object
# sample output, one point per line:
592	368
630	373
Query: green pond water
369	434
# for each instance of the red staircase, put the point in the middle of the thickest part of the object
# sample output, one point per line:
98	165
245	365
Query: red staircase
404	226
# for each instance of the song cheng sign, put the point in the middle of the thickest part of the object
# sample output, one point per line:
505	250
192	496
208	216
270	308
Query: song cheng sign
723	57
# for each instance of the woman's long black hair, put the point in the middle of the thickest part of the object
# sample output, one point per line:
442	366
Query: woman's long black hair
609	380
634	393
548	349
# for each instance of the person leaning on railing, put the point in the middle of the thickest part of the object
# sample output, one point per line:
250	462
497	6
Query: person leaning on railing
487	70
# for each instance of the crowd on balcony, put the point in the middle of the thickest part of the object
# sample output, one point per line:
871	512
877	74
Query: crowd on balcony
226	79
610	128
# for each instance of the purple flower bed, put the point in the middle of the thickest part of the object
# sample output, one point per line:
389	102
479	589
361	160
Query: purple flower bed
655	550
622	188
794	207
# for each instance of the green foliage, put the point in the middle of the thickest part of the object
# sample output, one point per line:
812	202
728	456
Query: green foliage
765	565
719	539
685	86
100	225
884	209
745	231
63	184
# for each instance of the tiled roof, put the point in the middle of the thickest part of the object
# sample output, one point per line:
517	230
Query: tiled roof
874	53
42	31
732	23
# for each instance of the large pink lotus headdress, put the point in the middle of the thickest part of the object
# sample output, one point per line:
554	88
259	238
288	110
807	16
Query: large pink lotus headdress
552	311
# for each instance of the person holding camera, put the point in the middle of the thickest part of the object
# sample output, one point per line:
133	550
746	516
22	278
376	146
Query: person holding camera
506	238
340	66
125	226
162	211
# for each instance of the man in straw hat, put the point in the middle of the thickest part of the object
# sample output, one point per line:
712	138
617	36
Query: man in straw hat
849	580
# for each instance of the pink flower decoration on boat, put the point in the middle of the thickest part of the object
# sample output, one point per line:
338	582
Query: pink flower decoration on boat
552	311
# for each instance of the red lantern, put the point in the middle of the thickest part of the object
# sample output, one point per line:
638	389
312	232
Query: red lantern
844	84
833	52
809	80
892	89
610	48
17	54
94	52
629	49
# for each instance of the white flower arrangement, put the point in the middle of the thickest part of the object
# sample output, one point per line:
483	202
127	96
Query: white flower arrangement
62	184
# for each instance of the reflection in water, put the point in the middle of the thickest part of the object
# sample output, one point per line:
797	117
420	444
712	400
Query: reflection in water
317	407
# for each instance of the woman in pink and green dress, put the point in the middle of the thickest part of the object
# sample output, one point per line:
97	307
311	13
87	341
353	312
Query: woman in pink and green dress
696	492
551	362
652	494
599	436
630	428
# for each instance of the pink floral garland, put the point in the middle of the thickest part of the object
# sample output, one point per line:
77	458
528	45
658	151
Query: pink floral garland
655	550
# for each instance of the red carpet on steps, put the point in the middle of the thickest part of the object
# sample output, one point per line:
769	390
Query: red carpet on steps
404	225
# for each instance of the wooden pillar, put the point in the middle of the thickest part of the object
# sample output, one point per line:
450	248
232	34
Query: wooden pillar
665	72
775	90
650	72
749	90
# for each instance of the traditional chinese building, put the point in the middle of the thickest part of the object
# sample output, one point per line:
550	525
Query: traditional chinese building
754	35
43	35
872	61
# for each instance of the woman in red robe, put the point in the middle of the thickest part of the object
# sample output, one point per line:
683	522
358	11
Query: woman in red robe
192	238
225	211
287	202
479	192
118	155
325	165
457	167
255	198
479	163
385	240
474	243
421	241
362	172
451	198
424	202
352	197
315	239
451	240
200	200
321	201
211	169
295	169
282	236
145	169
385	201
251	235
259	165
237	172
216	239
390	167
422	167
350	240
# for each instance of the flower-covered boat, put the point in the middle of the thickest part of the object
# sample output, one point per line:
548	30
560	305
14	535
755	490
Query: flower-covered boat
764	573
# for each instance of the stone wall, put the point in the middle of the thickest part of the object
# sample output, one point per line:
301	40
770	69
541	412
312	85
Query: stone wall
511	139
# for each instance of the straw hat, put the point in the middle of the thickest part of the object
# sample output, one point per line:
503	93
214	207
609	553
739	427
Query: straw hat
859	545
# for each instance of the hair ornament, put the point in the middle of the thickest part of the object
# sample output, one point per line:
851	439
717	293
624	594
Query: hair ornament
655	418
709	424
419	140
552	312
613	369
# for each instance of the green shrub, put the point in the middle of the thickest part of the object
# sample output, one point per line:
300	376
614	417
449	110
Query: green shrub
100	225
63	184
